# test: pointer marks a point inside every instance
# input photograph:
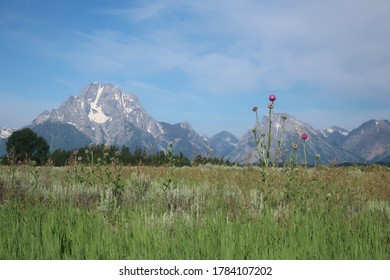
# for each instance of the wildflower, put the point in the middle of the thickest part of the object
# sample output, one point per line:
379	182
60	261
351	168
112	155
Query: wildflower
19	162
79	158
294	146
271	105
75	151
304	136
86	152
318	156
272	98
254	109
318	190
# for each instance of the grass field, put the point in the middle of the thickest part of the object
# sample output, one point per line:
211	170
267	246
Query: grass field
207	212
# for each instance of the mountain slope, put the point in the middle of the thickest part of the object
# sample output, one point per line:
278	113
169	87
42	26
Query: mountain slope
61	135
371	140
223	142
185	139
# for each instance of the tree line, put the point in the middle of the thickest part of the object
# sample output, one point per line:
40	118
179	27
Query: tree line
26	146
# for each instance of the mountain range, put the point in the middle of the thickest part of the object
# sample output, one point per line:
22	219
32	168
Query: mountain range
102	113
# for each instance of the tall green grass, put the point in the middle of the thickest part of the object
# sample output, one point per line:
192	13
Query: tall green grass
203	213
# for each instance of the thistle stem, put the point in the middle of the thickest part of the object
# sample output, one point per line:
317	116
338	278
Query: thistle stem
269	136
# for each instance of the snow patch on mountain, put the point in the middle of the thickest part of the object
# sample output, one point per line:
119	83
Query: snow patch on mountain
342	131
5	132
95	112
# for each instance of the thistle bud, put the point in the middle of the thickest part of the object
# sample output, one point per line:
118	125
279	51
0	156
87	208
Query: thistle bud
294	146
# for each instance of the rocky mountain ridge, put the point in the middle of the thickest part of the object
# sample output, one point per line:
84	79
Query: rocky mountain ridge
371	141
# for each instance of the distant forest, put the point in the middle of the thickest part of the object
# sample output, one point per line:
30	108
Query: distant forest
102	154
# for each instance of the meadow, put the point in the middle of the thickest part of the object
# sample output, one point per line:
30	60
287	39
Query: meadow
110	211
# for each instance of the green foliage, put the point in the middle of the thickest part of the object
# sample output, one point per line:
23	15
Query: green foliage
212	212
127	157
28	145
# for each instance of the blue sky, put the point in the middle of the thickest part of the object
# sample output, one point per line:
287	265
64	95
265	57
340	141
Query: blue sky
205	62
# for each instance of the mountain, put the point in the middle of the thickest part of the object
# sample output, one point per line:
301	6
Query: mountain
335	129
61	135
4	134
371	140
223	142
289	131
335	135
185	140
102	113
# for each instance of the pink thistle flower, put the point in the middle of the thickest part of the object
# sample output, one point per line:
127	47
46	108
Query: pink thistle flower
19	162
304	136
272	98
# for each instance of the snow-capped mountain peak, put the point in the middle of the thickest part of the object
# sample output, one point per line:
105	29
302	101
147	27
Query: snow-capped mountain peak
337	129
103	113
6	132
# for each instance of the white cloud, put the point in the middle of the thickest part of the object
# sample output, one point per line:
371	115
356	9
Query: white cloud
230	46
220	74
